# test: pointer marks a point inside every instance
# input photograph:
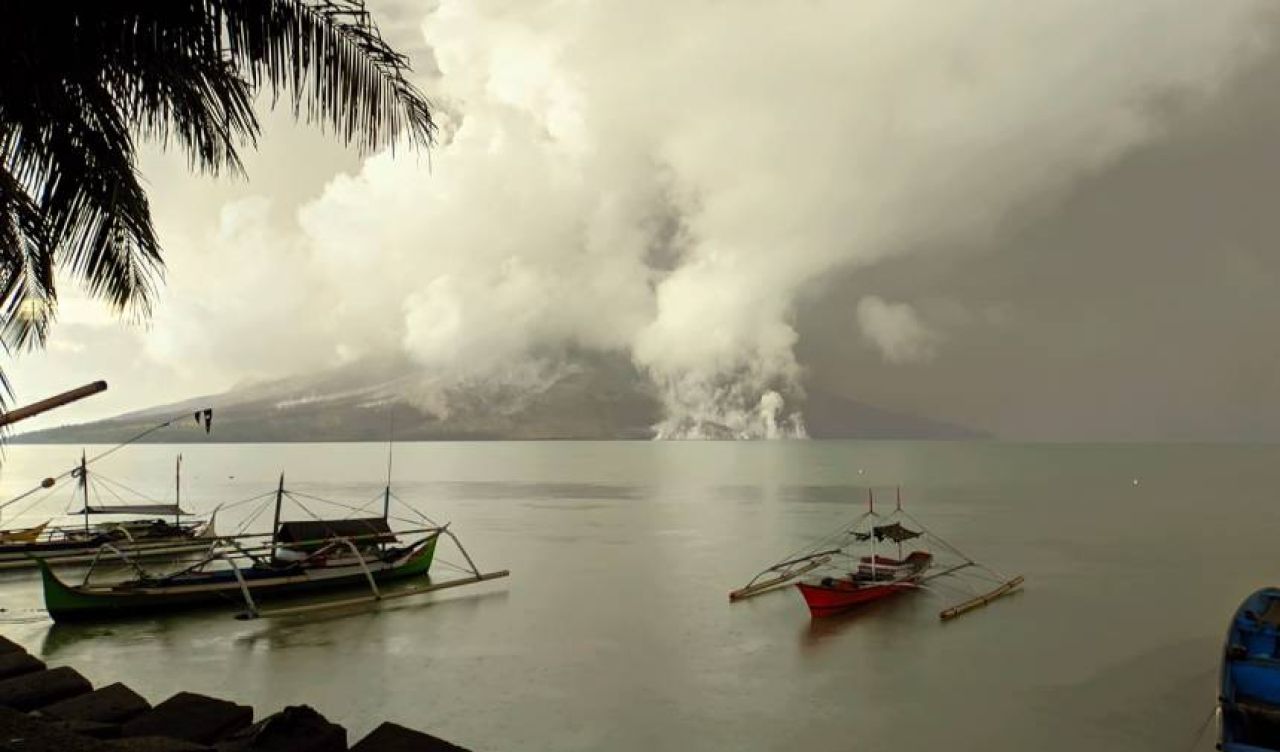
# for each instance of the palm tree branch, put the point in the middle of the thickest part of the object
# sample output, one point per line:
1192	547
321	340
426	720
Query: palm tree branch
330	58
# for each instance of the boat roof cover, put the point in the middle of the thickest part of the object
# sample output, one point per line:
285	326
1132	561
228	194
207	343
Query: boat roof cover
369	530
894	532
165	509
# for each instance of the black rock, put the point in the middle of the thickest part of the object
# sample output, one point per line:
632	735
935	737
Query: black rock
35	690
20	732
17	664
114	703
297	728
156	744
392	737
191	717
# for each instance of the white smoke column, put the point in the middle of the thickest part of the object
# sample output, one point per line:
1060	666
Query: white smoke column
839	133
797	140
667	178
896	329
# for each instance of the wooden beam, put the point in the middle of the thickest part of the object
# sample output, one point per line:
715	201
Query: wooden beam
57	400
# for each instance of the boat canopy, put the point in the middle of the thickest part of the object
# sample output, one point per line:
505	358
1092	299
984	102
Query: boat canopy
894	532
366	530
164	509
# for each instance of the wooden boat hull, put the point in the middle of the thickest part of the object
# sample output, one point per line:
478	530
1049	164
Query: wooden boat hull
832	600
79	554
834	596
1249	694
67	603
28	535
186	539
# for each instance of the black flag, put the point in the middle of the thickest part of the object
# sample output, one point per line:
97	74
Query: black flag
208	419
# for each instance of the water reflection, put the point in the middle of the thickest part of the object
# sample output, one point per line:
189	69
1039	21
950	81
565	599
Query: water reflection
60	638
301	631
883	620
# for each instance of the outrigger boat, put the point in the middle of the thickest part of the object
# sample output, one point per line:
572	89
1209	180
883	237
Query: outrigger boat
302	557
1249	697
156	535
846	570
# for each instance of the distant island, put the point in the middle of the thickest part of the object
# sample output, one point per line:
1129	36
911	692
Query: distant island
594	398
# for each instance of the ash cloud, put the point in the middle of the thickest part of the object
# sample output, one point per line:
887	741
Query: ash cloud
897	330
669	180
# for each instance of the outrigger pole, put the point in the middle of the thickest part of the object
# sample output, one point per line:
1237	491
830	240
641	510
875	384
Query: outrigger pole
1006	586
784	573
375	597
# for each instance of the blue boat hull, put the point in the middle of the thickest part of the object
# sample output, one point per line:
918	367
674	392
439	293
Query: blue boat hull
1249	695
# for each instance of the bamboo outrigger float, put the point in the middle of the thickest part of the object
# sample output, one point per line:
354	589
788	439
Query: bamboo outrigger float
846	570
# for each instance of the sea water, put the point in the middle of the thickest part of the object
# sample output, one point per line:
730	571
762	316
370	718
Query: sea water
614	630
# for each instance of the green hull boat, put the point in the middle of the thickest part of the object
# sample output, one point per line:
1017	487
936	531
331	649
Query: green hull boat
232	587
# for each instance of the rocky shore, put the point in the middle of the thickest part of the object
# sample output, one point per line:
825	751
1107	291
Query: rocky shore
45	709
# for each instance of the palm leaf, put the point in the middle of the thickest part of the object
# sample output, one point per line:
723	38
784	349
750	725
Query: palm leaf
81	80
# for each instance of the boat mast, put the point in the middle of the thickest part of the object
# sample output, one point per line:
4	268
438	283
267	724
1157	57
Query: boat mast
177	492
391	437
84	486
899	510
871	507
275	525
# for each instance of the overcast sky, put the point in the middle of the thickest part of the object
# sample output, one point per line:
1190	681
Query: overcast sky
1046	220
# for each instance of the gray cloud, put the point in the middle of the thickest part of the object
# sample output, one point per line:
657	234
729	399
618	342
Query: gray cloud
897	330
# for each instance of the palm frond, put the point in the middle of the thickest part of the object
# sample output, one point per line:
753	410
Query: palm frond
330	58
81	81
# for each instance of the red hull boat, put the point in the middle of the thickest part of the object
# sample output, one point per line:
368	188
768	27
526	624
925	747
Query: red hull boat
835	595
845	570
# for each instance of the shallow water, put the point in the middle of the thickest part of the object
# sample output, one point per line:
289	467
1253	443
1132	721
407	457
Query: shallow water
614	631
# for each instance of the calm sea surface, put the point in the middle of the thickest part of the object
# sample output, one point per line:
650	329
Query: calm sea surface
614	631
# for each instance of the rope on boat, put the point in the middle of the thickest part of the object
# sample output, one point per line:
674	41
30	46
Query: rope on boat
293	494
415	510
36	501
356	510
1195	742
68	473
234	504
108	482
803	560
264	506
